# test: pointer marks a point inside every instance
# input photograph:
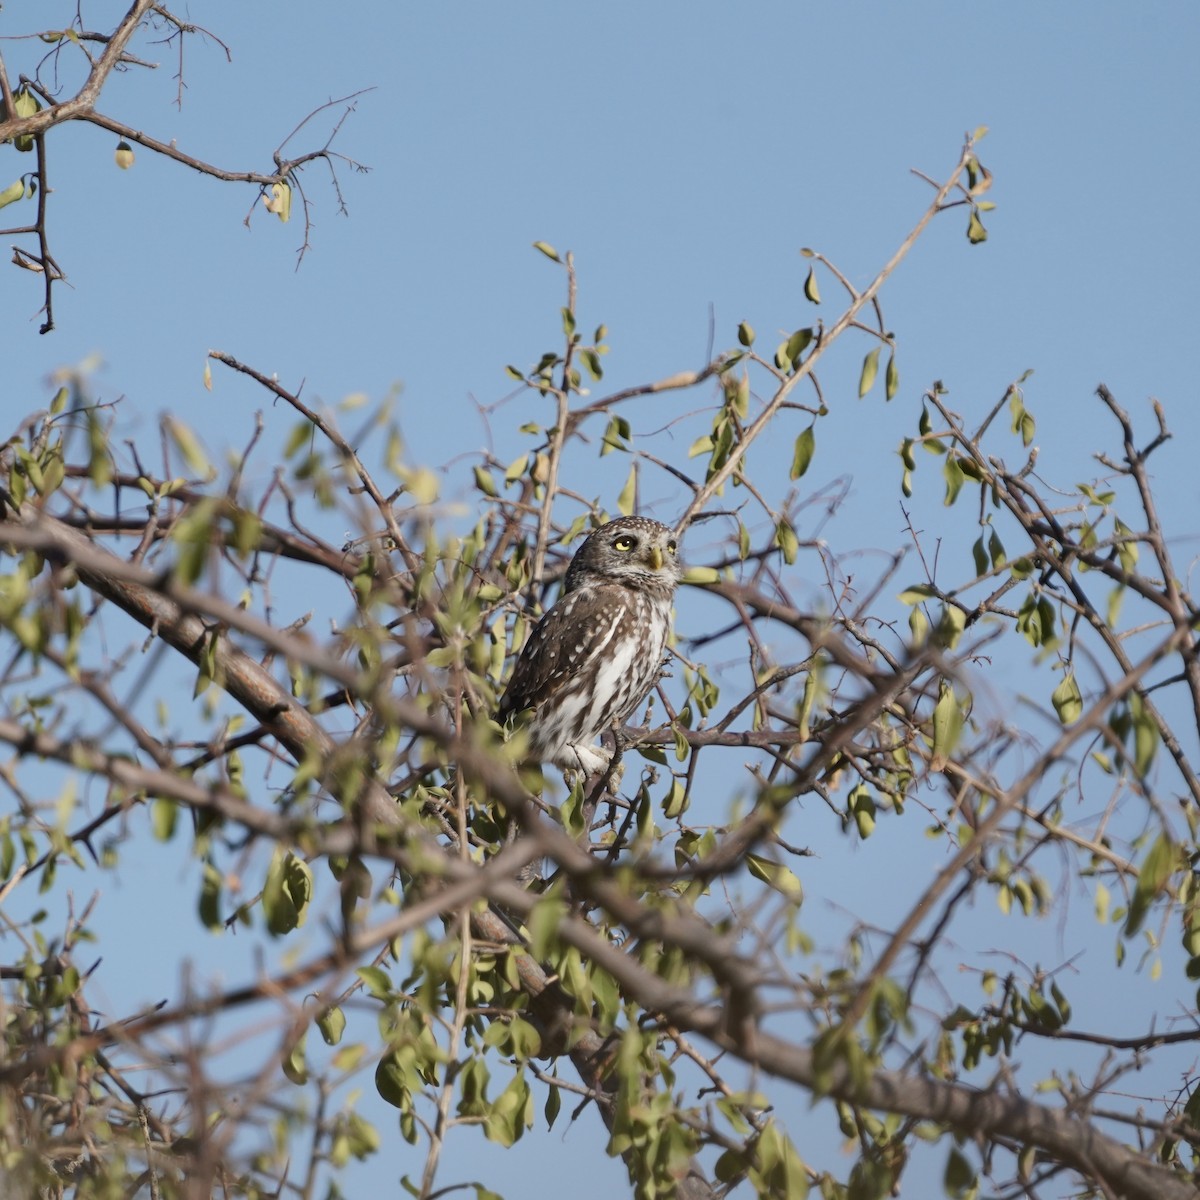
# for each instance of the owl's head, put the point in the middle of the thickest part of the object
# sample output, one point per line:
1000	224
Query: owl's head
635	551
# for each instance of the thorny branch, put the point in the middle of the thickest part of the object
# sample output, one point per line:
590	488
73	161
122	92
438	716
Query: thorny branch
34	129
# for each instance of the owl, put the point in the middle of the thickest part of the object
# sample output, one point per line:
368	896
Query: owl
596	653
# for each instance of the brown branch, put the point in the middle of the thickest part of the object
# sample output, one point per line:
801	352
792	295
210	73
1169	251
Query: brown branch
318	422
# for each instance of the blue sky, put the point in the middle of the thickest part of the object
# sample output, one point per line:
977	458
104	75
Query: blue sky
685	153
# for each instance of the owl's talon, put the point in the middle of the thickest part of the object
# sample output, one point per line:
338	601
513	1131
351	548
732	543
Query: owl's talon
614	775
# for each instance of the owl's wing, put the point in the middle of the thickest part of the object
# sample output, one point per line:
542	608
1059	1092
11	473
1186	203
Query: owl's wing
568	636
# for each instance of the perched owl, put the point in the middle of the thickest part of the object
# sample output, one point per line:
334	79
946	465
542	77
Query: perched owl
596	653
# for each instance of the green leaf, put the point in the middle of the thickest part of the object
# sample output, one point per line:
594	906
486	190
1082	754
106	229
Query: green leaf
811	291
163	816
861	806
391	1081
1145	735
776	876
975	230
286	893
918	627
959	1179
1127	547
548	250
786	540
996	550
802	455
294	1066
189	446
616	436
1115	598
675	802
332	1024
25	104
812	685
950	626
15	191
796	345
516	469
1022	420
948	721
543	924
1067	701
745	335
484	481
1028	428
952	470
553	1105
891	378
209	905
917	593
301	433
738	395
1160	863
1061	1002
628	493
377	982
870	369
979	553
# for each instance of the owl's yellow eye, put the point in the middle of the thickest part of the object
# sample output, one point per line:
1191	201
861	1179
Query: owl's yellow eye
625	543
672	547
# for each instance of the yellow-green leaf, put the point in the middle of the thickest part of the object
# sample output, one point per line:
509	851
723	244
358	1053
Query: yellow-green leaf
948	723
870	369
628	493
332	1023
918	625
917	593
776	876
189	446
796	345
1145	734
484	481
952	470
811	291
1067	701
294	1066
803	452
950	626
1153	875
13	192
786	540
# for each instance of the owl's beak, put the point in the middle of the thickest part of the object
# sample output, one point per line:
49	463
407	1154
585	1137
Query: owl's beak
656	558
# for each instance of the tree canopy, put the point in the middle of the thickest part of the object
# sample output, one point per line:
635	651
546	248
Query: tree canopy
288	655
